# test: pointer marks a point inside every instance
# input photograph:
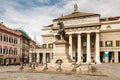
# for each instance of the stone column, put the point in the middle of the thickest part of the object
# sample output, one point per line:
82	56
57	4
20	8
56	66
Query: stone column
44	58
51	56
97	49
54	45
116	56
38	58
30	57
70	46
79	48
88	48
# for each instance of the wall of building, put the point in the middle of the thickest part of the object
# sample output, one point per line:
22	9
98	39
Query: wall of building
109	36
109	26
78	21
12	44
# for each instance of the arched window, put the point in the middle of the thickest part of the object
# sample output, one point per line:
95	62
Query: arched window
108	27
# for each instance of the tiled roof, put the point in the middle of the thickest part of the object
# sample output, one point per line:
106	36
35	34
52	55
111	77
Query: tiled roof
75	15
4	28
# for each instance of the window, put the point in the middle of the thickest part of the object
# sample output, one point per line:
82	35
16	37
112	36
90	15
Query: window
92	44
118	43
5	50
0	50
0	37
15	41
101	44
10	39
10	50
84	44
50	46
5	38
15	51
44	46
108	44
108	27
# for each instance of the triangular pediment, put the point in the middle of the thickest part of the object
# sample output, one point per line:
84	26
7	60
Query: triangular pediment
76	15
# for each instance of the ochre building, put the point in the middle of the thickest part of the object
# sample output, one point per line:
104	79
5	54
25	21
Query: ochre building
91	39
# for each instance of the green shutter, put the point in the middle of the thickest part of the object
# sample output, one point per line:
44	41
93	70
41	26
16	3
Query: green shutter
50	46
44	46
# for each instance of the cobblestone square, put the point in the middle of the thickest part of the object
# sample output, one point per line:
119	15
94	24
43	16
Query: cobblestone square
110	71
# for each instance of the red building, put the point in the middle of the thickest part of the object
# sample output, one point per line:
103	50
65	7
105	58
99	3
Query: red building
10	45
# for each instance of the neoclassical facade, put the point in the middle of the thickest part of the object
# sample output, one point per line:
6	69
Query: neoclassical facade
91	39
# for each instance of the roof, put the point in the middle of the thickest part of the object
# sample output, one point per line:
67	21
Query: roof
4	28
75	15
23	33
49	25
110	18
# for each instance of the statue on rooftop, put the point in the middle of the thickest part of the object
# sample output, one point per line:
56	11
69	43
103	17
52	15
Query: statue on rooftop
61	30
75	7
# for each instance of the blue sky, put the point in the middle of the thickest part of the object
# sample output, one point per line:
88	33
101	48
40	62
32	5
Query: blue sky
32	15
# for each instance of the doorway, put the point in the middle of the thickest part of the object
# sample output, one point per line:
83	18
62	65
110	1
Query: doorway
111	56
102	57
119	57
41	58
84	57
48	57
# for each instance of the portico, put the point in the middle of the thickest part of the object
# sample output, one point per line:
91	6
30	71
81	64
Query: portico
84	45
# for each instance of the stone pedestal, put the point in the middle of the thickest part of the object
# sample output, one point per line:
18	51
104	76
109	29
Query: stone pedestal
61	53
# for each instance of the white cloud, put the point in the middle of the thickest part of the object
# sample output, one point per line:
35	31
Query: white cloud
43	1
